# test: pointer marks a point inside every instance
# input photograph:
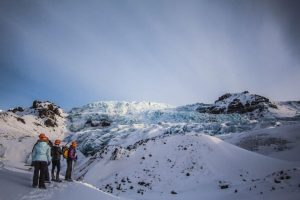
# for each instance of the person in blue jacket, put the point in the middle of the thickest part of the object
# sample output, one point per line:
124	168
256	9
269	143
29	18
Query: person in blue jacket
41	158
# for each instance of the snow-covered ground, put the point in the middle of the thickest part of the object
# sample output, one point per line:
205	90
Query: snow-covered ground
146	150
191	166
19	131
281	142
16	185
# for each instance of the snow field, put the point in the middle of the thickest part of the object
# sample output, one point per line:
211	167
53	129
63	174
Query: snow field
194	166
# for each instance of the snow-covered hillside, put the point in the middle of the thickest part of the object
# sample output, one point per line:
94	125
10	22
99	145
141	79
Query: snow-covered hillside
239	103
161	152
191	166
146	150
20	127
281	142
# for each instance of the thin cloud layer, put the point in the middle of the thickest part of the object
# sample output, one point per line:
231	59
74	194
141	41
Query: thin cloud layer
177	52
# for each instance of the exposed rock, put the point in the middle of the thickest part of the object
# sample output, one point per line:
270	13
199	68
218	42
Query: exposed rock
47	111
238	103
225	186
114	154
50	123
21	120
98	123
17	109
235	106
173	192
35	104
224	96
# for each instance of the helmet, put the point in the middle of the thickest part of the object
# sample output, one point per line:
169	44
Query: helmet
74	144
57	142
42	136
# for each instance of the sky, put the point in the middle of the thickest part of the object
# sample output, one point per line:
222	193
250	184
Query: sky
75	52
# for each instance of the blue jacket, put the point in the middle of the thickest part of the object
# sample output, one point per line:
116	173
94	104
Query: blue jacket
41	152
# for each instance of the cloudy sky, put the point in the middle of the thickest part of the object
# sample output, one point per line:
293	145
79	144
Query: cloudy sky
178	52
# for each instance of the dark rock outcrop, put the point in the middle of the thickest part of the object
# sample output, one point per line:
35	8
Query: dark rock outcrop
48	111
98	123
17	109
238	103
21	120
50	123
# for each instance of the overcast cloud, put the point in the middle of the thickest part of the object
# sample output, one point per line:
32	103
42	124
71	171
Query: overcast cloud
176	52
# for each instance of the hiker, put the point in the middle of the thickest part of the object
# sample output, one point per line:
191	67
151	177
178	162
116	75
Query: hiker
47	179
71	157
40	158
56	153
47	176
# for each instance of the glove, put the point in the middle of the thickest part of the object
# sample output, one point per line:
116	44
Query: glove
49	163
32	163
75	158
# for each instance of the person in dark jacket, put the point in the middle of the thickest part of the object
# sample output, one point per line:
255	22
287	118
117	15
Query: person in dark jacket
56	153
72	156
40	158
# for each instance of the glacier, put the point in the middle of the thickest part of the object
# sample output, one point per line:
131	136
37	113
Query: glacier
103	123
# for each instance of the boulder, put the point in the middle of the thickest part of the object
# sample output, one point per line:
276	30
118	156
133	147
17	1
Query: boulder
50	123
16	109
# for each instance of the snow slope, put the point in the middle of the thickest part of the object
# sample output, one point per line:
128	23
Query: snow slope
16	185
190	167
19	131
281	142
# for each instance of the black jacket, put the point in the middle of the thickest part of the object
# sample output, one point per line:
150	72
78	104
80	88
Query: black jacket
56	152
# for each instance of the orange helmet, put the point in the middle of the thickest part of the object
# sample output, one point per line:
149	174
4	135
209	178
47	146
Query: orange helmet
42	136
57	142
74	144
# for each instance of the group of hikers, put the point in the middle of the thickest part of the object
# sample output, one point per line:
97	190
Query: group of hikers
43	153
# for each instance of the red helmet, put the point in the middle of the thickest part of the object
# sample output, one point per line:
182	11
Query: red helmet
74	144
42	136
57	142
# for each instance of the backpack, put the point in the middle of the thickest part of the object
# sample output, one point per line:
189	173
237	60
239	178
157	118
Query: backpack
65	151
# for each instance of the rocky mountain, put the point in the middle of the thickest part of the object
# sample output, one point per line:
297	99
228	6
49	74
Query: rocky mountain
147	150
238	103
20	127
46	110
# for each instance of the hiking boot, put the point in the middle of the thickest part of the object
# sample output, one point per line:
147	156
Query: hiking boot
34	186
42	187
52	177
69	179
58	180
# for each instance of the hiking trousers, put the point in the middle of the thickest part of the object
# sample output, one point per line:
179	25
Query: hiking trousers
69	169
39	173
55	164
47	177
